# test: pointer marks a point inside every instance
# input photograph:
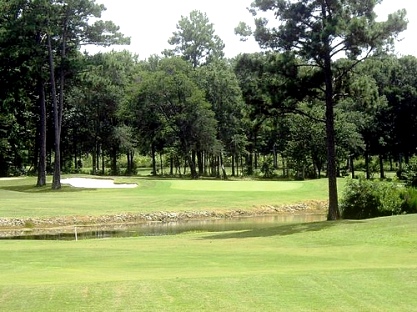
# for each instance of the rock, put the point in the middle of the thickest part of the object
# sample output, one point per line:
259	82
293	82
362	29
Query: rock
161	216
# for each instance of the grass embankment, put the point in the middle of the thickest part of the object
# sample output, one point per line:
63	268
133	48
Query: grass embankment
20	198
366	265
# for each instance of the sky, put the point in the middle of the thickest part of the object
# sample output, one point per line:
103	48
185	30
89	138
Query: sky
151	23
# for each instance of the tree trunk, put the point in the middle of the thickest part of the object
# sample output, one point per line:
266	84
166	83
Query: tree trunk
153	160
400	163
161	163
194	157
249	162
352	166
103	165
333	213
200	162
114	161
185	164
194	174
129	156
224	174
233	165
237	164
94	157
75	157
381	166
171	165
56	180
42	136
368	173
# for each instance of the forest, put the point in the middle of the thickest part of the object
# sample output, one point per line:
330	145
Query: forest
326	91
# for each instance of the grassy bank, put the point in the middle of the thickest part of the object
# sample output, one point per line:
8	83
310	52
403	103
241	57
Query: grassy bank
20	197
366	265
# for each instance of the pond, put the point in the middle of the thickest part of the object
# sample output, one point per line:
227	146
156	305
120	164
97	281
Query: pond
80	232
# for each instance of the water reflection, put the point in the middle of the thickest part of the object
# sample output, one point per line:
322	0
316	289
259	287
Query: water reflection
160	228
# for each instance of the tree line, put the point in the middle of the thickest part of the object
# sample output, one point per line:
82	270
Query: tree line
325	91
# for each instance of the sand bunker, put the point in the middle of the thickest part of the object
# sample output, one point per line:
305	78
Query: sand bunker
95	183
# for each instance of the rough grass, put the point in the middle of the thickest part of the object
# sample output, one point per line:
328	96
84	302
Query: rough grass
21	198
368	265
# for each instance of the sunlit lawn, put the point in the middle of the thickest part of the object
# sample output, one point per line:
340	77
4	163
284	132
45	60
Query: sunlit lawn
326	266
20	197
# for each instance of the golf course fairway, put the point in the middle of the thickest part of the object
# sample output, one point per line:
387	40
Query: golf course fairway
368	265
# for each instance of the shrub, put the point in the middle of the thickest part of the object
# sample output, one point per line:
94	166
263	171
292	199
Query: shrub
359	200
390	198
267	168
409	203
369	199
409	174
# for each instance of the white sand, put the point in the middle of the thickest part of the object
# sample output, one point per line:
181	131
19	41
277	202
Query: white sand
95	183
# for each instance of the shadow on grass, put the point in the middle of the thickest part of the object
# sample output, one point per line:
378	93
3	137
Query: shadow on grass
279	230
30	188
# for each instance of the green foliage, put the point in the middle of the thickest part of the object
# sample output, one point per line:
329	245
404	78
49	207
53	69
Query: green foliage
359	200
364	199
318	31
410	174
409	198
390	198
267	167
171	108
243	30
195	40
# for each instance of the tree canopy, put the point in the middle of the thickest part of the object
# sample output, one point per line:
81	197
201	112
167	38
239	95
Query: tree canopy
325	92
195	40
318	32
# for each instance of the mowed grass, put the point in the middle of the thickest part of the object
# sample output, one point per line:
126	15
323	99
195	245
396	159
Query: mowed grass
21	198
366	265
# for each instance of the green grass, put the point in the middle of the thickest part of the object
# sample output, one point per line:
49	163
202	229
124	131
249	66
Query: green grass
366	265
20	197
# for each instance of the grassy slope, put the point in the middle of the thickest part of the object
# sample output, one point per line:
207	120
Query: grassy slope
327	266
20	198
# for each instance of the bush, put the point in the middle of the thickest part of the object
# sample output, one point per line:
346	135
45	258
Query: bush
390	198
267	168
409	174
409	204
369	199
359	200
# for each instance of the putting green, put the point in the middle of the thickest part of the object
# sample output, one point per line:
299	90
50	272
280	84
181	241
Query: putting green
235	186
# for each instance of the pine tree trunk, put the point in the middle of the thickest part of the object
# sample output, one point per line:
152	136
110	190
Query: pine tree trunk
333	213
191	163
42	136
114	161
94	161
233	165
200	158
56	180
368	174
224	174
153	160
161	162
381	166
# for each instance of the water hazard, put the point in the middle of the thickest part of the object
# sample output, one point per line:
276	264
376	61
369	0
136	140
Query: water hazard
159	228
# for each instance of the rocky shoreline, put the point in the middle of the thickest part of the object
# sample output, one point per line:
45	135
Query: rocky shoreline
161	216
